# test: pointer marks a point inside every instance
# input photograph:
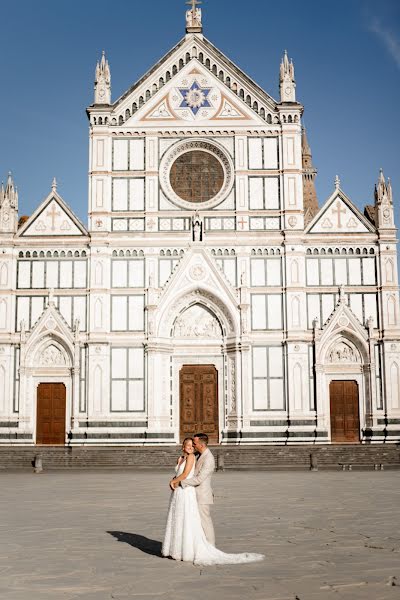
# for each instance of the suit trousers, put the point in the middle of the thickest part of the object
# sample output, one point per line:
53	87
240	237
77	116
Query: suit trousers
206	522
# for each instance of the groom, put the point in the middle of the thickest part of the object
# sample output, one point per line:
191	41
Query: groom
201	480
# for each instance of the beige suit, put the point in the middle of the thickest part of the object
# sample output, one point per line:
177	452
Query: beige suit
205	467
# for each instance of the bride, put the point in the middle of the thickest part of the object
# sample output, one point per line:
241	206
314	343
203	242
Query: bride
184	536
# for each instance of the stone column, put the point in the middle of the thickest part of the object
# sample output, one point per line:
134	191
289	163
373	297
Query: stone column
321	401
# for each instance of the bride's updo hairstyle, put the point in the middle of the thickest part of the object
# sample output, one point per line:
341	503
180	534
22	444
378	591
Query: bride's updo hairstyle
203	437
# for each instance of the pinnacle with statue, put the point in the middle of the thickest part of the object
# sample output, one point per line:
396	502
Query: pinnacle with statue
193	17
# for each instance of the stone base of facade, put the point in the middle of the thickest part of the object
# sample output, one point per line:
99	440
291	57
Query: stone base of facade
243	437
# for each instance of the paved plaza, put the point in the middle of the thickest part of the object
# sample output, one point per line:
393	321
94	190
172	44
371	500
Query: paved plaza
80	535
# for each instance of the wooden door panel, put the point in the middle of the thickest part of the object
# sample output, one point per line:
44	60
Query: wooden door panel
344	409
51	400
199	401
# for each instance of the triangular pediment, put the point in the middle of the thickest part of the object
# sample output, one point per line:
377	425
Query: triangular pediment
53	217
343	319
198	277
342	337
52	321
50	326
195	96
339	216
197	266
233	97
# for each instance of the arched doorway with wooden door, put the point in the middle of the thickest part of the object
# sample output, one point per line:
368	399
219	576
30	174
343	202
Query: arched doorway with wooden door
198	395
344	411
345	391
198	366
51	414
51	379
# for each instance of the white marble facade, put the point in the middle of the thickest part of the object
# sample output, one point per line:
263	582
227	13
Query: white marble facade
226	275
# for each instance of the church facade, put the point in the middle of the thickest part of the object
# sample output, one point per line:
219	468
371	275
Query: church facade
209	291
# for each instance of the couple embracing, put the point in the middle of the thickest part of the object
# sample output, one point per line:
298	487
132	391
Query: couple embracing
189	533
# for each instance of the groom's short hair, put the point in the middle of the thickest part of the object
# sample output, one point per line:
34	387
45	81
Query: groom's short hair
203	437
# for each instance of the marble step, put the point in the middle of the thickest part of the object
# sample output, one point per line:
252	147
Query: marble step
228	457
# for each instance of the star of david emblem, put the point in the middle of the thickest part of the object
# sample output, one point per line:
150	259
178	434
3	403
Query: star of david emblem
195	97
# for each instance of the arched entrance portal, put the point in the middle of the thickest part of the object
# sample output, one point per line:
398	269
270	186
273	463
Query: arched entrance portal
198	396
51	414
345	414
344	364
198	336
51	378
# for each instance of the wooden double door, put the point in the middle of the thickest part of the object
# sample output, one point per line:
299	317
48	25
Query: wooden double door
345	414
198	386
50	416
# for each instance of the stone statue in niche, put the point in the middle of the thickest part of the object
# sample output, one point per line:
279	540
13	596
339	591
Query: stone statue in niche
197	228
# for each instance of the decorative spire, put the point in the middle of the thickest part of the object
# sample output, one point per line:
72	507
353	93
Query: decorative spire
193	17
54	185
9	195
383	190
337	182
310	199
102	84
287	84
8	206
384	218
305	147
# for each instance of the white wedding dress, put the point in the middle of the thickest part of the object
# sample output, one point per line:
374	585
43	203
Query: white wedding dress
184	536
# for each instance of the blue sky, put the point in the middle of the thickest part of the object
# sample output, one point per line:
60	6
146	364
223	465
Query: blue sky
346	56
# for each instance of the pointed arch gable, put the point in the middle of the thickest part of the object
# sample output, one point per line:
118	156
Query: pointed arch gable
50	350
343	349
202	296
197	320
342	323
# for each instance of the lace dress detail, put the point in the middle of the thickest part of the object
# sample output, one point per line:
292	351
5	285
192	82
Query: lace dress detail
184	536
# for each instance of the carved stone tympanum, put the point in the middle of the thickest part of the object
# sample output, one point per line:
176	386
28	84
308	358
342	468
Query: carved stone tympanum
52	357
343	353
197	322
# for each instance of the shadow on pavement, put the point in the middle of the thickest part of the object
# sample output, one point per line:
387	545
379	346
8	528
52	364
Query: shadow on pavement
141	542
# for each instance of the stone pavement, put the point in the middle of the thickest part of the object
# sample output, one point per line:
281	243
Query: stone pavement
78	535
